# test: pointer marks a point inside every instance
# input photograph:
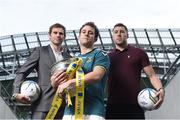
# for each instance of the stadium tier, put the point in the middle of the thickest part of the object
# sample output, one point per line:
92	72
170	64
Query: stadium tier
161	45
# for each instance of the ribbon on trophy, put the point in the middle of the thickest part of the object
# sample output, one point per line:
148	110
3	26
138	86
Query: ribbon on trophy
73	68
79	102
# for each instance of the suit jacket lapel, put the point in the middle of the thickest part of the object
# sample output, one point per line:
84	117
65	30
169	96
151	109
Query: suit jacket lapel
51	55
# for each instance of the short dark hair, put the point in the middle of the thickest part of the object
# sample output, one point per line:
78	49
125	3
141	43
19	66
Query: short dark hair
120	25
91	24
57	25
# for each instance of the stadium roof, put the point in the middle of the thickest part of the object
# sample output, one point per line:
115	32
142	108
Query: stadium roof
161	45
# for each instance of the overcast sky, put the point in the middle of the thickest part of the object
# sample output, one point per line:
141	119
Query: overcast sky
23	16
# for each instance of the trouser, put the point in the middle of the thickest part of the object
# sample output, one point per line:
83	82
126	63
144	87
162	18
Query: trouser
42	114
124	111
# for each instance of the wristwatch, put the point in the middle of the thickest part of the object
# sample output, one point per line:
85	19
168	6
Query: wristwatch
14	96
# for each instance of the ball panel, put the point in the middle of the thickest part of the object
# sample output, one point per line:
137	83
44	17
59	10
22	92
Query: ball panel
147	98
30	89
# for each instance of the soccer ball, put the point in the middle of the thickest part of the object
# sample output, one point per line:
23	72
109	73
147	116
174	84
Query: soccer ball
147	98
30	89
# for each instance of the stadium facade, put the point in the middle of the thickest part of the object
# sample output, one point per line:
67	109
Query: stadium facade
161	45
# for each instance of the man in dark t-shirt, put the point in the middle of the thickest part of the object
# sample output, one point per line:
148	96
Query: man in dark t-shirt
124	80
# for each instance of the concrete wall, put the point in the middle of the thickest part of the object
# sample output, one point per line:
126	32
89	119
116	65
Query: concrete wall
5	112
170	108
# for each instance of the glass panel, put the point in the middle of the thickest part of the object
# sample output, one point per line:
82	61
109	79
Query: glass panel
6	44
31	38
131	39
20	42
6	41
166	38
21	46
70	42
141	37
153	36
19	39
70	35
70	39
176	35
43	37
7	48
142	40
155	41
33	45
105	36
45	43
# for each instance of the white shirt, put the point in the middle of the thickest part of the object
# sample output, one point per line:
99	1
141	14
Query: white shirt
57	54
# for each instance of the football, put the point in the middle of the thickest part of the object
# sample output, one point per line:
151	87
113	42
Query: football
30	89
147	98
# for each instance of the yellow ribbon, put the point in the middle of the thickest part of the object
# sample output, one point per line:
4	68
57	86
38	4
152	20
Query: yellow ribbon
56	103
71	70
74	67
79	103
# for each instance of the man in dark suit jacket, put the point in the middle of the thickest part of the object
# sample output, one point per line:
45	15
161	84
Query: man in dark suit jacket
41	59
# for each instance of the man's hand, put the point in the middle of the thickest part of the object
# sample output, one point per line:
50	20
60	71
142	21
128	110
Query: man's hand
23	99
68	85
58	78
160	94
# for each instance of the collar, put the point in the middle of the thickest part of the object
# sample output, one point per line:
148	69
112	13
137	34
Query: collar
58	52
88	52
125	49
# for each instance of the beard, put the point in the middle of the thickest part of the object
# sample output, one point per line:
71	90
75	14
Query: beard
87	44
121	43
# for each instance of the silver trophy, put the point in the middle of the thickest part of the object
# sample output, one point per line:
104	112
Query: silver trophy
62	64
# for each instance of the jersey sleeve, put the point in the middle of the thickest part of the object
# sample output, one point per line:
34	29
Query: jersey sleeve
102	59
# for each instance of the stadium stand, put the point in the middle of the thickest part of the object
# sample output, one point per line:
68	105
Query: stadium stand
161	45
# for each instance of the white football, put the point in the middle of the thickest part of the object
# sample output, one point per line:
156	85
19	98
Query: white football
147	98
30	89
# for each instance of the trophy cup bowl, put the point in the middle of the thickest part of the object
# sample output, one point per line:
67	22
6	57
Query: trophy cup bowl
62	64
